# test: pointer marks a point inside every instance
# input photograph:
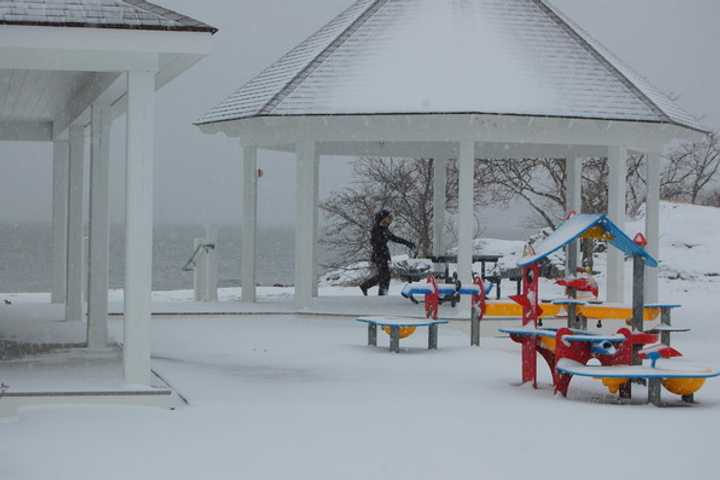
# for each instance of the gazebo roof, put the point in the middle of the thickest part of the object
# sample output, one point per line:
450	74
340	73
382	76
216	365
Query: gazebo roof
511	57
125	14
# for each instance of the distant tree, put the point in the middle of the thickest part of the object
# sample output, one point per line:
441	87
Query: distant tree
403	186
691	170
541	183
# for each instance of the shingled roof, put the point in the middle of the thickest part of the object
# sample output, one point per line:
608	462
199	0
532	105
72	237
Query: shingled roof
506	57
124	14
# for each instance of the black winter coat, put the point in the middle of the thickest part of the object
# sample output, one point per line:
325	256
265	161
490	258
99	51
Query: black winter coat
379	237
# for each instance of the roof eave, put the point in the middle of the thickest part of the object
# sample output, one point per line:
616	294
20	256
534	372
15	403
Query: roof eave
119	26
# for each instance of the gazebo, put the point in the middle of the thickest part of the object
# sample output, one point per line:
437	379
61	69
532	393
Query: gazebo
67	68
446	80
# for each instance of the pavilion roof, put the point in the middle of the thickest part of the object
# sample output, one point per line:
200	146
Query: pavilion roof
505	57
123	14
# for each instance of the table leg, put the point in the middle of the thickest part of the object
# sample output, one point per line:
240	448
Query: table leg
432	337
475	327
654	392
665	319
395	339
689	398
372	334
626	391
572	316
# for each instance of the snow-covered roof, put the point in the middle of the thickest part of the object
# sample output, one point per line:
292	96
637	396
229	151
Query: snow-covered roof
575	227
127	14
510	57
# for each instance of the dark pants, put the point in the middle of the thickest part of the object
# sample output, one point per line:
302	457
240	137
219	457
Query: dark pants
381	278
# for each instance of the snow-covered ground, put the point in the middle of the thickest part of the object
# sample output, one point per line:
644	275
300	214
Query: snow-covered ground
303	397
306	398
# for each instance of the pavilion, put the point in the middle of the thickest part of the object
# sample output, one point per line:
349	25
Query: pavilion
67	68
446	80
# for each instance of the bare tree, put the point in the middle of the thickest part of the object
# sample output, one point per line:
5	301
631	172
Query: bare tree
691	169
541	183
405	187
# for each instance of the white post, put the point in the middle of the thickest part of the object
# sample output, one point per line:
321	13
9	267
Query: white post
305	223
466	217
211	238
439	205
61	154
617	164
573	196
199	271
139	225
249	225
316	226
99	242
652	224
74	303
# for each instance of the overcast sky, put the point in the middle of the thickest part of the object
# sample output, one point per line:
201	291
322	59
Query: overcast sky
672	42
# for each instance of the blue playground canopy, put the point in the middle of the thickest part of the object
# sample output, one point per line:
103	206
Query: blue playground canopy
575	227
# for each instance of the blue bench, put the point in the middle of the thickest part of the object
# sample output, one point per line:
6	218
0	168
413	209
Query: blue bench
395	324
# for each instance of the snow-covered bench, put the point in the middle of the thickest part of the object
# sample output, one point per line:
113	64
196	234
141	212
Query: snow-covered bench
399	327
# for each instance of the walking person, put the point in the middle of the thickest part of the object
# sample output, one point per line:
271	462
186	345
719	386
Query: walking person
380	235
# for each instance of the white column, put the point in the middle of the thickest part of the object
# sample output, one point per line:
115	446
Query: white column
466	217
139	225
573	195
305	223
617	164
439	205
61	153
249	225
316	226
74	303
200	273
211	237
99	241
652	224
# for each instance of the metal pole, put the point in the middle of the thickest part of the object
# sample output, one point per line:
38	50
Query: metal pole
372	334
475	327
433	337
395	339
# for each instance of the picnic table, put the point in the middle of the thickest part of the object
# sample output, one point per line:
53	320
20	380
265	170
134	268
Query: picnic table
395	324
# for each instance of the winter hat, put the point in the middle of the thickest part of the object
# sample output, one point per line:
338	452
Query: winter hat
382	215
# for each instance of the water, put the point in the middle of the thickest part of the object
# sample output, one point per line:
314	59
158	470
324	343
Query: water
26	256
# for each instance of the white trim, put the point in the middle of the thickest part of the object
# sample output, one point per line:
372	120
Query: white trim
105	39
22	131
58	59
274	131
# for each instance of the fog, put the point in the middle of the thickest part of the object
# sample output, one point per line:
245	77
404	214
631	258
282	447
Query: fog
672	42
